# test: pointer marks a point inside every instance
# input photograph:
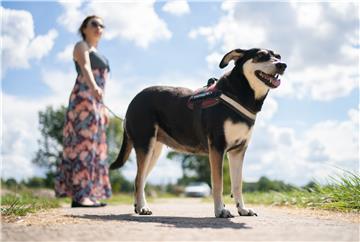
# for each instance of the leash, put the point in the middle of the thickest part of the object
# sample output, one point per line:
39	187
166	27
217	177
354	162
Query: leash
116	116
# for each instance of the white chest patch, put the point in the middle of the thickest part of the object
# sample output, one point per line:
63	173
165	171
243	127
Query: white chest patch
235	133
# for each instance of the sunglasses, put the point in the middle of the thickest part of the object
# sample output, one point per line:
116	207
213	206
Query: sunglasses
96	24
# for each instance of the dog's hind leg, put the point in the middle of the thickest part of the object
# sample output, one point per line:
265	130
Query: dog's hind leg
236	158
146	163
144	158
216	165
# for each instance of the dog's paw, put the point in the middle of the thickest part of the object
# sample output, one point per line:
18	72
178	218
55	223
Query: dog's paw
223	213
246	212
144	211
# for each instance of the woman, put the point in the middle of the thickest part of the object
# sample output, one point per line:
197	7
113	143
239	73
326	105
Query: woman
82	174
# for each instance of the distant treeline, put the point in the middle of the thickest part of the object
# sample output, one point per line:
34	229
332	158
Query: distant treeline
120	184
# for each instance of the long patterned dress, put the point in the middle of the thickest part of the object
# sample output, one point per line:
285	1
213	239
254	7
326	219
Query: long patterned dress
83	171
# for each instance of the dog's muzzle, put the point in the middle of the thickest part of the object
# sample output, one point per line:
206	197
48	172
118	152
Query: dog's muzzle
272	80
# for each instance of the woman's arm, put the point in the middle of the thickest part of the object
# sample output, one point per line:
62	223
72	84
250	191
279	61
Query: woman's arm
81	56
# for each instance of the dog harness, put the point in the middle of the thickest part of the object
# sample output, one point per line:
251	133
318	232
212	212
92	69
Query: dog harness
205	97
209	96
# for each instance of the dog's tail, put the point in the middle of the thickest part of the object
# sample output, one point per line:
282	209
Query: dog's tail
123	156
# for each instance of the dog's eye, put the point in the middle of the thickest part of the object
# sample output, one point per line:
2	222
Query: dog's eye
278	56
262	56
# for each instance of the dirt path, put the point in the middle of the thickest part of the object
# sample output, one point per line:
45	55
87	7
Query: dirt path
181	220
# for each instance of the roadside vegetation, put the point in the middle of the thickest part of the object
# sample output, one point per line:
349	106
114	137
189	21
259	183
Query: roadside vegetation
20	204
342	193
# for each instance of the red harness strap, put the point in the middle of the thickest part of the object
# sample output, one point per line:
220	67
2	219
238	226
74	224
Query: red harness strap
204	97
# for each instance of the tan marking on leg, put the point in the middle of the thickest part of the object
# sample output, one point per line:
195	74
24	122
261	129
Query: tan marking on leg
155	156
236	160
216	165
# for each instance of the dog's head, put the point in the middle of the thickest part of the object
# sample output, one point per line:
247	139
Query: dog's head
261	67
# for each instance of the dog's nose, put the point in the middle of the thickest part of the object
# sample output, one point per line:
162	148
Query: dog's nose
281	66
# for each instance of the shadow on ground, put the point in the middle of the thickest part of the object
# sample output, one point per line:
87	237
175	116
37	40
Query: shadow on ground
179	222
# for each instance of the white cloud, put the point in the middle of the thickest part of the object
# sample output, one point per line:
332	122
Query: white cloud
330	82
344	11
176	7
67	54
317	68
214	59
268	110
310	15
340	140
231	34
282	153
20	124
20	45
42	44
133	21
19	136
71	18
59	82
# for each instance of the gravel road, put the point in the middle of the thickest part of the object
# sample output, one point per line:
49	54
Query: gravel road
181	220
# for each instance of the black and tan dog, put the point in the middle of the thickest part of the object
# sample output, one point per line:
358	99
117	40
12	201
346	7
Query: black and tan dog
159	115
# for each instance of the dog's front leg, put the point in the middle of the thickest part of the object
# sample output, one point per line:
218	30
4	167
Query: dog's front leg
216	165
236	160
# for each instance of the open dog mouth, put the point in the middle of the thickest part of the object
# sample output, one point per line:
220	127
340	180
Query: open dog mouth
272	81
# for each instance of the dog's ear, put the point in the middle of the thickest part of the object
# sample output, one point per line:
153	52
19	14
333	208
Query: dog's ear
232	55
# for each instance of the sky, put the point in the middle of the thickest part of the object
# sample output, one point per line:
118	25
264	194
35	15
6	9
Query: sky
308	128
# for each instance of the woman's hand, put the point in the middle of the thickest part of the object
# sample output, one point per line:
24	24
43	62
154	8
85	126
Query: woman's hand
97	92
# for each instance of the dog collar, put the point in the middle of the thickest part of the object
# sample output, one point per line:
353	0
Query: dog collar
238	107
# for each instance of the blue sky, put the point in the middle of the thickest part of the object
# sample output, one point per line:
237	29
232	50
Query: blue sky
308	126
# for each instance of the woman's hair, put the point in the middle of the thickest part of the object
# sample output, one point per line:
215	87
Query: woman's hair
84	24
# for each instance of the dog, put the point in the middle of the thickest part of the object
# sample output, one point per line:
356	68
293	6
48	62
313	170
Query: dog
159	115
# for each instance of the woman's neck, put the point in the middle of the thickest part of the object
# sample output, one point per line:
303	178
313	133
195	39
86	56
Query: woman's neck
92	43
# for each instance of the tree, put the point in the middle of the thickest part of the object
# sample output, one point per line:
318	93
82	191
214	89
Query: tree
35	182
51	123
265	185
11	183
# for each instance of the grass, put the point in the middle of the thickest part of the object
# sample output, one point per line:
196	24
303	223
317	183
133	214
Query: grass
121	198
24	202
342	193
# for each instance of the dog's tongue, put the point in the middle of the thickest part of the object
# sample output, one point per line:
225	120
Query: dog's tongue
275	82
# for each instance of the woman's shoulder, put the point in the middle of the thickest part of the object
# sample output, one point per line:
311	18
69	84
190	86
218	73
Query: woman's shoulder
81	46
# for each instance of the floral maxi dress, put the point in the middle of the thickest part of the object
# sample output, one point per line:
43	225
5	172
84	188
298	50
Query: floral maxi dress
83	171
